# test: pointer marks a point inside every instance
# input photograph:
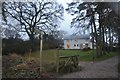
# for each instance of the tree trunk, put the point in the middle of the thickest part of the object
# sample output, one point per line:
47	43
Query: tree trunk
118	30
107	47
109	38
111	43
32	42
96	38
93	43
92	37
101	34
118	41
103	37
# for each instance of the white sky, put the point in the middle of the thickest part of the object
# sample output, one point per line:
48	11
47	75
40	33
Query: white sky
65	24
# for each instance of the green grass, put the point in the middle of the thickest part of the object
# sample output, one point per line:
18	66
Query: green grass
50	55
107	56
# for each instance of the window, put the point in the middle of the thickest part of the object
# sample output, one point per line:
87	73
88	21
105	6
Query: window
74	45
75	40
77	45
86	45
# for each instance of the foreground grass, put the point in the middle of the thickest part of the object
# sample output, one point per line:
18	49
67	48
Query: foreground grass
107	56
16	66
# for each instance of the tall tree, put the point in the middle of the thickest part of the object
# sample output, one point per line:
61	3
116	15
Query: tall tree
94	14
28	16
85	16
116	7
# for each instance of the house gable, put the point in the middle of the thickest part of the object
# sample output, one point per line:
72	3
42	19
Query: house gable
76	42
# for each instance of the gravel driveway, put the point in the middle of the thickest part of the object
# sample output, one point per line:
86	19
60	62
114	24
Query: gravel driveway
102	69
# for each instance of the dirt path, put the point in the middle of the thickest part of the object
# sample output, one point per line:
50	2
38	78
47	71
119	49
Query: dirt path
102	69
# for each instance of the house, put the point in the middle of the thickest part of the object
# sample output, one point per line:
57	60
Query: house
79	41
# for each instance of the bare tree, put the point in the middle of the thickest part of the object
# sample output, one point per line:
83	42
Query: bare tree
28	16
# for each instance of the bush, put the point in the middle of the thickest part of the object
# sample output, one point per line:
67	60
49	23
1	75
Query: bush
18	46
14	66
86	49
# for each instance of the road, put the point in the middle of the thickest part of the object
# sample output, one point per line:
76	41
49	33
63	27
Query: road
102	69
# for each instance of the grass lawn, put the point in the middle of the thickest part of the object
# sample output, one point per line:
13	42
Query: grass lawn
50	55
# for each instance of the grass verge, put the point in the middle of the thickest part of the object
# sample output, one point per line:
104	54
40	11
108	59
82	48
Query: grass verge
50	55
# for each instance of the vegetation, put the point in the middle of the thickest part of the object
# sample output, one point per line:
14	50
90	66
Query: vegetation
18	46
101	19
28	66
19	67
14	44
50	55
30	16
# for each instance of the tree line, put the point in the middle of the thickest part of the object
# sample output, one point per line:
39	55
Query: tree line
20	46
29	16
102	20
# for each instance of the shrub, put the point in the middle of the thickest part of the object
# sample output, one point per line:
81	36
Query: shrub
86	49
18	46
14	66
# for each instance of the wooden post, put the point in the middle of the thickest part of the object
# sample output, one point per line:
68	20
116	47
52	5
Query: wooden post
57	61
40	52
55	57
57	68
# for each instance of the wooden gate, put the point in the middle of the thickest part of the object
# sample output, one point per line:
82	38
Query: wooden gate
69	63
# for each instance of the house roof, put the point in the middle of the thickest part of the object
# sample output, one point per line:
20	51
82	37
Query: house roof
79	36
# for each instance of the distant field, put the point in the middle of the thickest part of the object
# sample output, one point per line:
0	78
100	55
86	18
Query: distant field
50	55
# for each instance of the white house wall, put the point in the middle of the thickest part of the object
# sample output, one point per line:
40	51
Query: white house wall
74	42
65	47
83	41
65	44
80	41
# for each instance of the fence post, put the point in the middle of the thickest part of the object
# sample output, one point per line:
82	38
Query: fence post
57	61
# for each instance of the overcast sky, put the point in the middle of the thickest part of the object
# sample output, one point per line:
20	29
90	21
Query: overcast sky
65	24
